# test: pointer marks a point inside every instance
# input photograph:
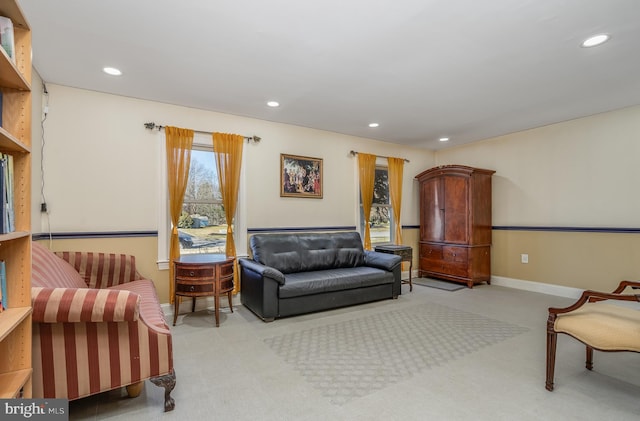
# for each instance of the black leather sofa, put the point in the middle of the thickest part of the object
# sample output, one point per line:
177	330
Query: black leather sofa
300	273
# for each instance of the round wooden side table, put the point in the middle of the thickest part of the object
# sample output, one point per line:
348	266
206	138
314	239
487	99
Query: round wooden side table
201	275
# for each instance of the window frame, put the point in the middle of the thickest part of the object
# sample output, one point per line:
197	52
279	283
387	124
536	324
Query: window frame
381	163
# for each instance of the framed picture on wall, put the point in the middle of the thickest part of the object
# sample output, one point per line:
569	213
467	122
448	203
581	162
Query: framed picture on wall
300	176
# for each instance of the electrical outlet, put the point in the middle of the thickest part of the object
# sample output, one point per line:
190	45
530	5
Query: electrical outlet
524	258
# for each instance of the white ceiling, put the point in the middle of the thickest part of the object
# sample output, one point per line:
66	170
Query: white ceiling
422	69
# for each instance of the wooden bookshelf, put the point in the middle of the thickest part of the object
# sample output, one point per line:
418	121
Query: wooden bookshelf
15	247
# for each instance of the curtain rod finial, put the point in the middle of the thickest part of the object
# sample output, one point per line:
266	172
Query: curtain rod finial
150	126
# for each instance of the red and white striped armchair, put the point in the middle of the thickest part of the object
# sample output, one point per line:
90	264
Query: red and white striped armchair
97	326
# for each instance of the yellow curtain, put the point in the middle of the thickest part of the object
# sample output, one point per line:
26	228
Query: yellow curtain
396	167
227	149
367	173
179	142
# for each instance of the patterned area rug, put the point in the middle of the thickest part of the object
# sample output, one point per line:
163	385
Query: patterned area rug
357	357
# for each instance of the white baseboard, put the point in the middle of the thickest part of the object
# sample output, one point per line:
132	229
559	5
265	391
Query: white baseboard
540	287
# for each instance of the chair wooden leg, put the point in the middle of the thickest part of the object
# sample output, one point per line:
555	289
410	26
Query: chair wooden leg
552	339
229	294
168	381
589	363
133	390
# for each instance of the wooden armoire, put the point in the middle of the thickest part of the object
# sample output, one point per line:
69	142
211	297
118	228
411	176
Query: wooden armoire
455	224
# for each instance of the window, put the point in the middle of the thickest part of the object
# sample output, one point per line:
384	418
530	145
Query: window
209	238
202	227
381	218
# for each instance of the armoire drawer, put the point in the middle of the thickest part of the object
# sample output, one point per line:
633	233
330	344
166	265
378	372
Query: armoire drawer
455	254
431	251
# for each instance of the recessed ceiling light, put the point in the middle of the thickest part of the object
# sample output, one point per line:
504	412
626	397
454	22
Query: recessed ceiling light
112	71
373	125
595	40
444	139
273	104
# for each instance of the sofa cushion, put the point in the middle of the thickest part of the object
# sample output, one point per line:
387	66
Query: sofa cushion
316	282
50	271
279	251
291	253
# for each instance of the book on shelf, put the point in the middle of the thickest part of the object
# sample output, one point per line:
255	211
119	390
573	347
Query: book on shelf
10	195
7	223
3	286
7	38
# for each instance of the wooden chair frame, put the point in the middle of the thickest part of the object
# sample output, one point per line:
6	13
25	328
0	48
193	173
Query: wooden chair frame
587	296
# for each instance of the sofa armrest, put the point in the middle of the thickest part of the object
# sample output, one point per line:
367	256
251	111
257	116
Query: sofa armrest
259	286
69	305
102	270
262	270
383	261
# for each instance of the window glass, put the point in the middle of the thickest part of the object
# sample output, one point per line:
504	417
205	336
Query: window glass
202	227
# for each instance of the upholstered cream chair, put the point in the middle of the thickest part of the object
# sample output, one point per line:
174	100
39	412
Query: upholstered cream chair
597	324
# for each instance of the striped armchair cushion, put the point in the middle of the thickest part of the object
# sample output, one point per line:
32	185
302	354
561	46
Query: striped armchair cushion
48	270
102	270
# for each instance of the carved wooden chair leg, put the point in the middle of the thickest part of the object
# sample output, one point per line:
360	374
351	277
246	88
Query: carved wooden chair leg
589	363
552	339
168	381
133	390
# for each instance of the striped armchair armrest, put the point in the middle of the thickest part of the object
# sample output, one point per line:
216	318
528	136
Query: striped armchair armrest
102	270
70	305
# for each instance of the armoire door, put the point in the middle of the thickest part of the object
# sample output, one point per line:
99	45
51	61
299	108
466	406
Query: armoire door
456	209
432	210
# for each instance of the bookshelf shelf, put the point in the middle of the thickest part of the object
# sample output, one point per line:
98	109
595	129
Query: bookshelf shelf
10	77
14	235
11	318
15	247
12	382
9	143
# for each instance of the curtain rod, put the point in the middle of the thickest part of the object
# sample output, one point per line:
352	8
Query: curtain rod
354	153
152	126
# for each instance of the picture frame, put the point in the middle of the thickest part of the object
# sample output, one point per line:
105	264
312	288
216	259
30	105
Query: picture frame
300	176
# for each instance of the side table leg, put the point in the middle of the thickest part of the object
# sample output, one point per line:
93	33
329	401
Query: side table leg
410	270
176	305
217	306
229	294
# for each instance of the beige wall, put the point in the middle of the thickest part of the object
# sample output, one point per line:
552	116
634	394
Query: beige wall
579	173
102	170
102	174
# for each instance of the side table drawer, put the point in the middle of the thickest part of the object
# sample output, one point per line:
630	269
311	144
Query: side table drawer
197	272
194	287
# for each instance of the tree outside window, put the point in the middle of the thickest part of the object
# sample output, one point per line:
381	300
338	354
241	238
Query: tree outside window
202	227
